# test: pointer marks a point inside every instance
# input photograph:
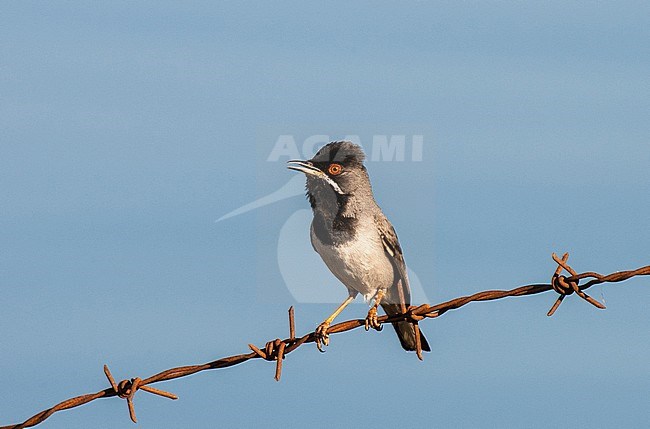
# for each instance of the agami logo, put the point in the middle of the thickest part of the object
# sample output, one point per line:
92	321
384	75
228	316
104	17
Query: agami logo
296	258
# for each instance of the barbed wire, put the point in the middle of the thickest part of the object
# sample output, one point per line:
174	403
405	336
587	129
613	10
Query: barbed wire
277	349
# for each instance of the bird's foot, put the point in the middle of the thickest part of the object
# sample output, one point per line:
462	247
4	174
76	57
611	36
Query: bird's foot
322	338
371	320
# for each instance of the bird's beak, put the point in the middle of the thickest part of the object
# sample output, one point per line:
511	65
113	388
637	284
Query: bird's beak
305	167
309	169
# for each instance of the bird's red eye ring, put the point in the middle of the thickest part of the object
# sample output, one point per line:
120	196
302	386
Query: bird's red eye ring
335	169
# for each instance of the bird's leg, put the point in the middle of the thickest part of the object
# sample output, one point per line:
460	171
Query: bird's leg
321	331
371	318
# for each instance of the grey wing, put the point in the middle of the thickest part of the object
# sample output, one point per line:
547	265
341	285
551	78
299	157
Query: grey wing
399	293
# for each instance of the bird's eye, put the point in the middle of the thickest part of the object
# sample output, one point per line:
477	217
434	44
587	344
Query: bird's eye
335	169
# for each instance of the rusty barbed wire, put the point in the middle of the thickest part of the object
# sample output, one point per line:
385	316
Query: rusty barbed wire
277	349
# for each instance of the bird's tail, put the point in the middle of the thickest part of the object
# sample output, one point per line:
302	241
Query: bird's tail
405	330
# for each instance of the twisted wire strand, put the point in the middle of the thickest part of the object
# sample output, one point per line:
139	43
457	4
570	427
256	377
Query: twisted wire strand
277	349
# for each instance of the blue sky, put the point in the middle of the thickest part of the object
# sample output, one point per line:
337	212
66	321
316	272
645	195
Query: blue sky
128	128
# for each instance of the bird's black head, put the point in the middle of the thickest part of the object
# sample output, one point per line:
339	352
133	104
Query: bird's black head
337	166
342	152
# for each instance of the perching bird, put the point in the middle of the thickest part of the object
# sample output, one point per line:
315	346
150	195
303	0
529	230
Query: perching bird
354	238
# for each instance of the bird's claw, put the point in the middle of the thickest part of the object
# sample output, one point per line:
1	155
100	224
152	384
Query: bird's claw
371	320
322	337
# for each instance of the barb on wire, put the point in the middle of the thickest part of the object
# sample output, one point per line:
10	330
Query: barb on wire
277	349
126	389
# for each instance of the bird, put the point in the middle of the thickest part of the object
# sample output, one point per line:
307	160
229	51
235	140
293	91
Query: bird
355	239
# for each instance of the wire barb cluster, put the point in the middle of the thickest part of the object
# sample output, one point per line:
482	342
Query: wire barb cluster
126	389
565	286
277	349
274	350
